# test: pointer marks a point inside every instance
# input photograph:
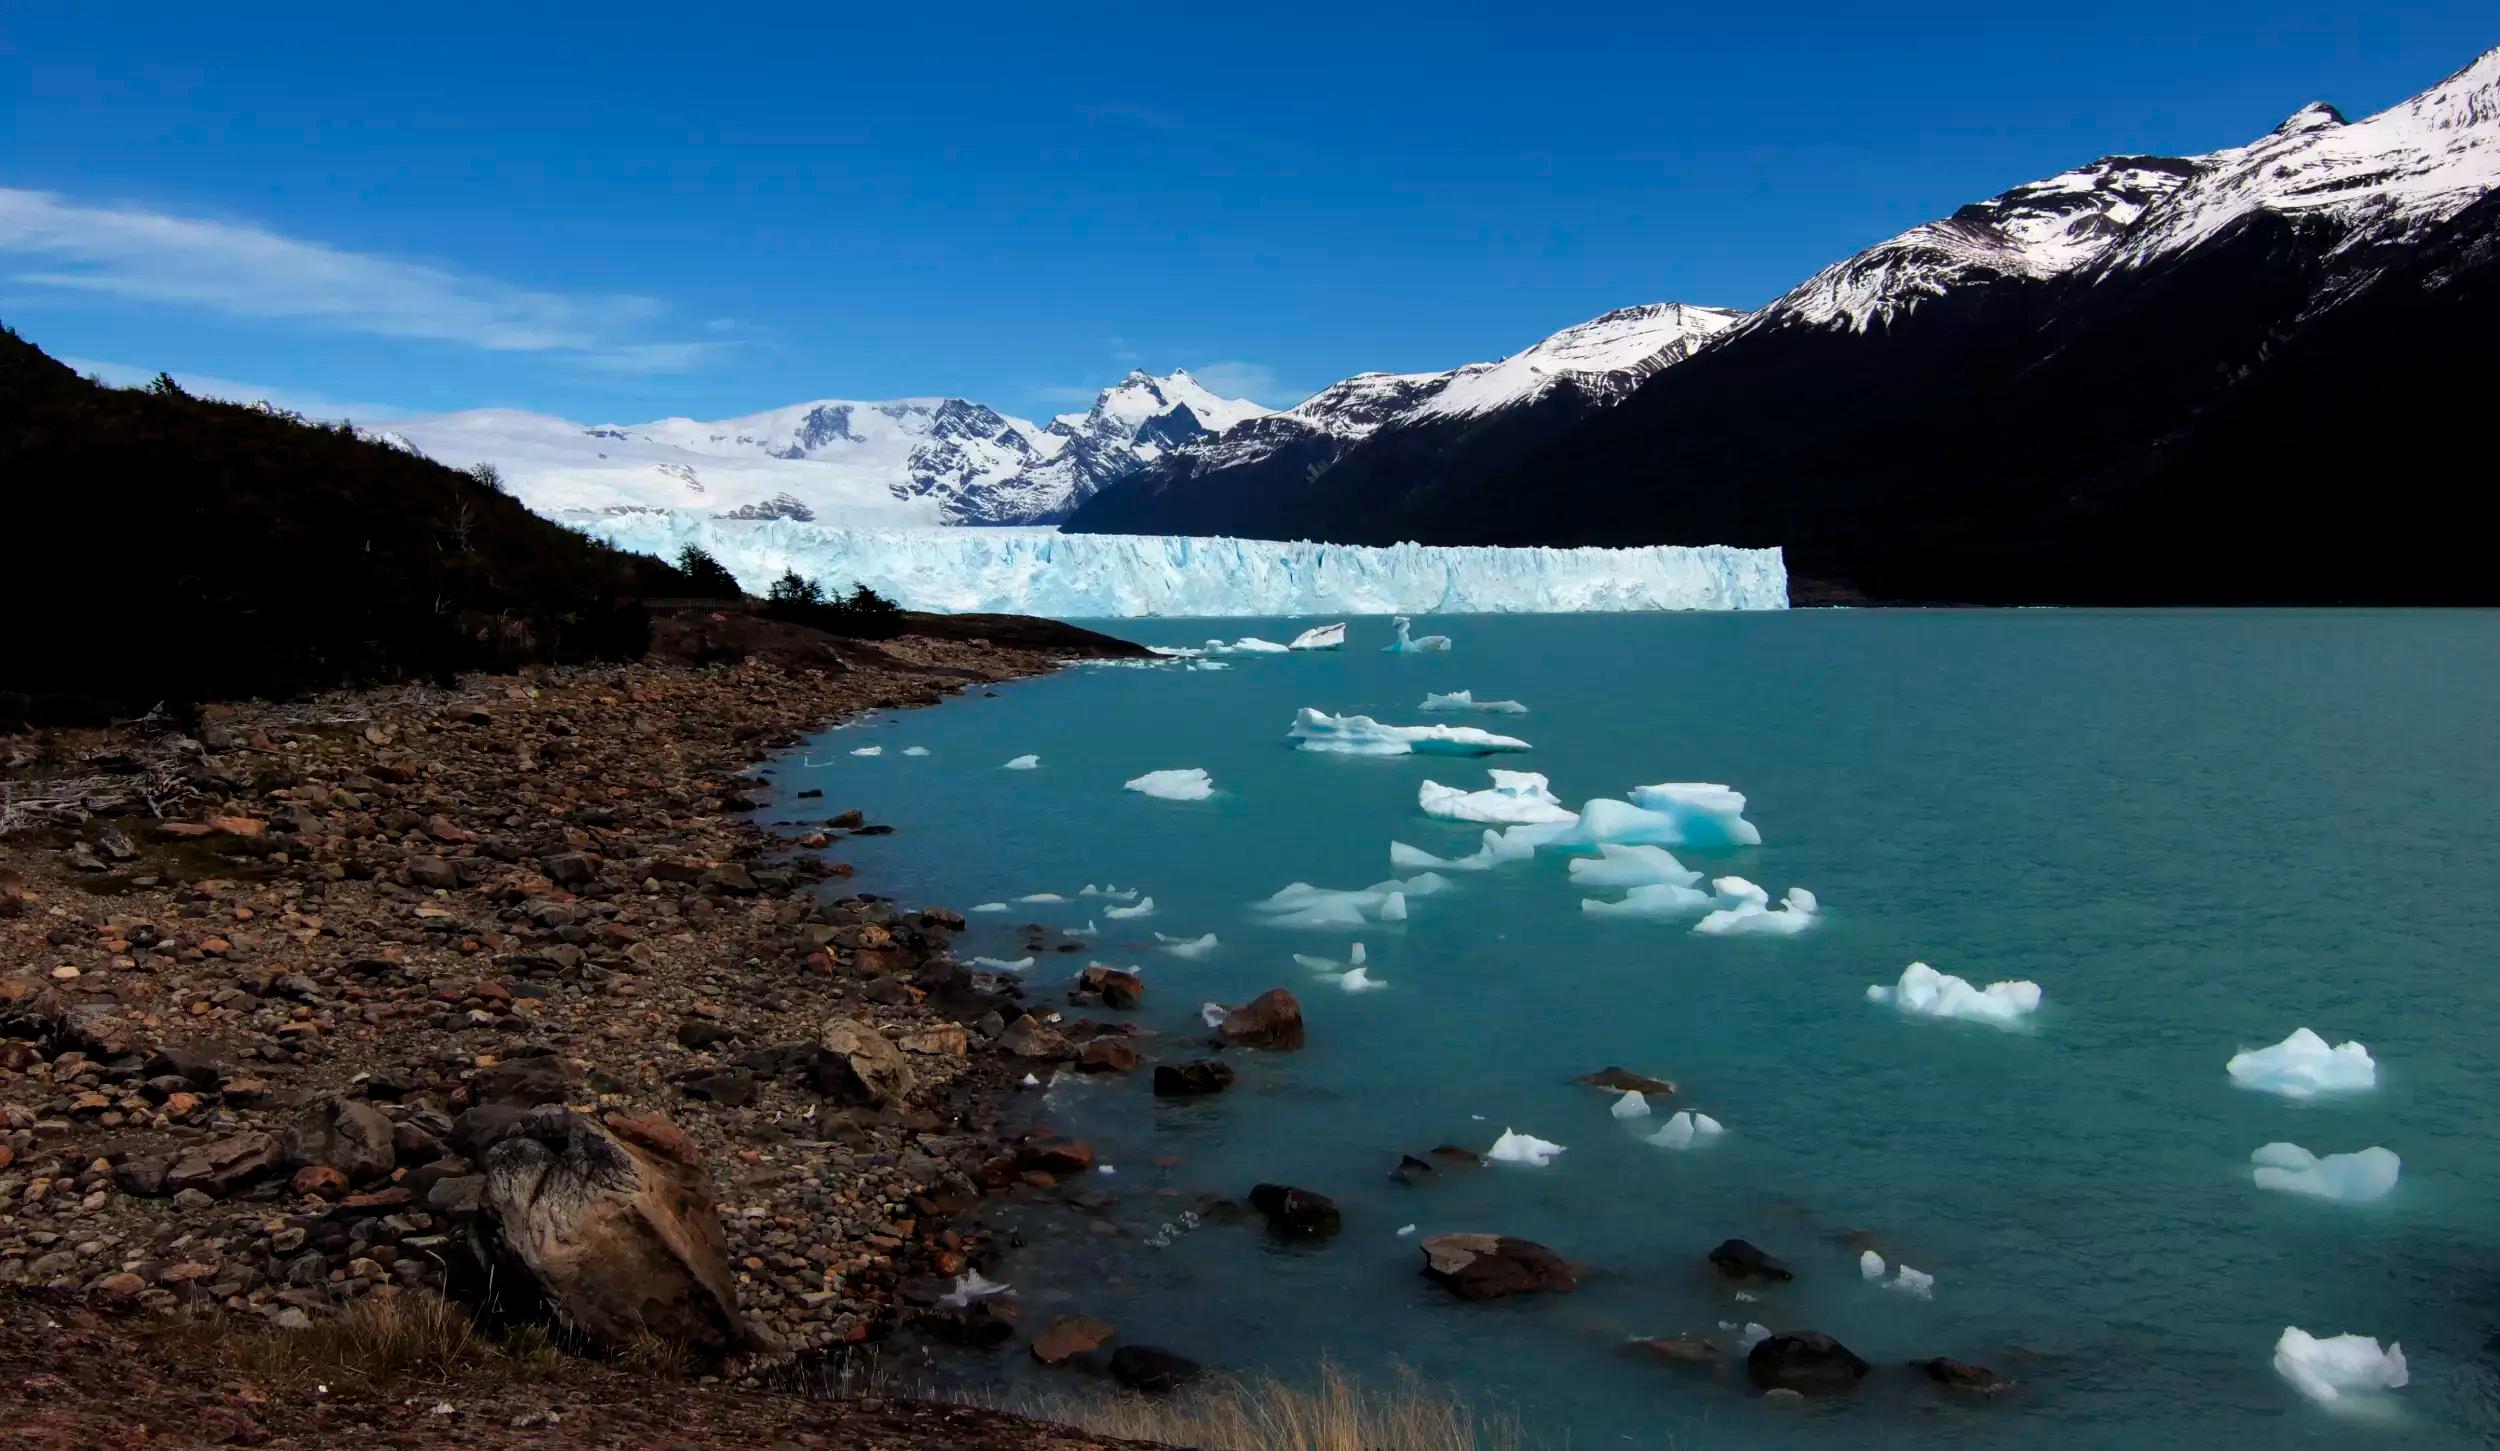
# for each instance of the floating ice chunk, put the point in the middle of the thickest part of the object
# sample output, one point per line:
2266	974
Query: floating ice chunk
1871	1265
1206	665
1319	964
1519	1148
1658	899
2336	1370
1465	700
1031	1082
1912	1283
1705	813
1414	859
1744	910
1357	956
1516	798
1603	819
1520	843
869	751
1404	1230
1145	908
1687	1130
1023	763
1189	783
2302	1066
1041	897
915	750
1320	637
1117	894
1408	644
1000	964
1299	904
1631	1105
1246	645
1748	1335
1213	1014
1618	865
2354	1178
1192	947
990	907
1927	993
972	1286
1360	735
1105	1169
1359	980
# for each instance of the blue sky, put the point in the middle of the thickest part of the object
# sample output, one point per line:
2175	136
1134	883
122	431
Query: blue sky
626	211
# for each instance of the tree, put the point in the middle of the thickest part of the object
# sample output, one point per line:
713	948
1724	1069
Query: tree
164	386
708	576
794	590
488	476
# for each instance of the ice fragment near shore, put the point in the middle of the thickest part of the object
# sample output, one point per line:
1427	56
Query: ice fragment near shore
1000	964
1704	812
1145	908
972	1286
1247	645
1618	865
1518	1148
1927	993
2354	1178
1631	1105
1320	637
1914	1283
2303	1066
915	750
2341	1372
1744	911
1748	1335
1192	947
1189	783
1360	735
1515	798
1408	644
1022	763
1042	897
1658	899
1465	700
869	751
1687	1130
1299	904
990	907
1357	980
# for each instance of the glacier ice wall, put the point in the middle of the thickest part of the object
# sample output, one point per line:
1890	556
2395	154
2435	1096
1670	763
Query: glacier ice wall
1044	572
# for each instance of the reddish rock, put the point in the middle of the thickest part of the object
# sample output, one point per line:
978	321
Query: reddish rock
319	1179
1070	1336
1107	1055
1490	1266
1273	1020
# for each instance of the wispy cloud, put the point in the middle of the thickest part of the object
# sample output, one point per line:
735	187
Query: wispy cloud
243	270
1254	381
311	405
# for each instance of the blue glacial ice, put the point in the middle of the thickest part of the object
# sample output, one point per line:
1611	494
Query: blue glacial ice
1360	735
1023	763
1652	899
1516	798
1745	910
1409	643
1320	637
1617	865
1299	904
1687	1130
1190	947
2354	1178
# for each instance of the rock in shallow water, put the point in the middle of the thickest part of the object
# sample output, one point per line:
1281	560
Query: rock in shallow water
1192	1079
1296	1213
1740	1259
1272	1020
1806	1361
1154	1371
1490	1266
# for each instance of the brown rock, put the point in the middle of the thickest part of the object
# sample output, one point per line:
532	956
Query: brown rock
1109	986
1273	1019
1686	1349
224	1165
1054	1154
1193	1079
1624	1080
1962	1375
1107	1055
876	1065
1740	1259
348	1134
1490	1266
938	1039
319	1179
1296	1213
1805	1361
1030	1037
1070	1336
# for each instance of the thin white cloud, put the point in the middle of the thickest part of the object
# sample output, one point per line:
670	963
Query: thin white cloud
201	385
242	270
1254	381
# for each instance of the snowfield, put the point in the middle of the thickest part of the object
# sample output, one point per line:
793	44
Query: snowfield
1095	576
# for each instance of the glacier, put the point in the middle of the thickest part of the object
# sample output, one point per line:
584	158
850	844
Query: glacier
1098	576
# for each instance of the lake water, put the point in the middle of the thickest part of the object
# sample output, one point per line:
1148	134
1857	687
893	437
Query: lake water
2197	831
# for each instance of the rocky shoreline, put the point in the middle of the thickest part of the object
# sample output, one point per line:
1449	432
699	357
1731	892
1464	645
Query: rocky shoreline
500	992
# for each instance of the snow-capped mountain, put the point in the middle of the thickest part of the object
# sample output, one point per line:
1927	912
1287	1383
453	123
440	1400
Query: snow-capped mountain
1133	423
2140	380
1317	468
904	462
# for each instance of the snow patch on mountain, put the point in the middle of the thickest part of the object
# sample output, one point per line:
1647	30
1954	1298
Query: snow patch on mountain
1131	424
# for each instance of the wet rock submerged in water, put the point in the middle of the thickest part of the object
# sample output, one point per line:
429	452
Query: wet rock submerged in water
1491	1266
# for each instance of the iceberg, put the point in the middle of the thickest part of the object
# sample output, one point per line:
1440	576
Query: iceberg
1518	1148
1320	637
1000	964
1927	993
1704	813
1360	735
1408	644
1145	908
2302	1066
1022	763
1299	904
2354	1178
2333	1370
1186	784
1652	899
1687	1130
1093	576
1465	700
1617	865
915	750
1631	1105
990	907
1187	946
1744	911
1357	980
869	751
1246	645
970	1286
1914	1283
1041	897
1748	1335
1516	798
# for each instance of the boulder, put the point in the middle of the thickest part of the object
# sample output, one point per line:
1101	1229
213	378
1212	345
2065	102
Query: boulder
224	1165
1053	1154
1030	1037
613	1226
1070	1336
1624	1080
1295	1213
1273	1019
1107	1055
347	1134
1740	1259
1685	1349
1193	1079
1108	986
1490	1266
874	1065
938	1040
1805	1361
1145	1368
1961	1375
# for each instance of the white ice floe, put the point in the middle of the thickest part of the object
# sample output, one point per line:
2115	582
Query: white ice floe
1516	798
1465	700
1744	910
1518	1148
1360	735
1213	1014
1117	894
1927	993
1404	1230
1658	899
1914	1283
1320	637
869	751
990	907
1705	813
2303	1066
1631	1105
915	750
1031	1082
1871	1265
1299	904
1330	964
1247	645
1043	897
1145	908
970	1287
2354	1178
1187	946
1618	865
1687	1130
1410	644
1748	1335
1359	980
1000	964
2341	1372
1023	763
1189	783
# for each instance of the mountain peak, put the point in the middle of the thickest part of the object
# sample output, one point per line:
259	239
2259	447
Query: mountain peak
2312	117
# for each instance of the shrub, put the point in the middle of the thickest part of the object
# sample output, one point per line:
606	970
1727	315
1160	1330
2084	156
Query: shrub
708	576
863	614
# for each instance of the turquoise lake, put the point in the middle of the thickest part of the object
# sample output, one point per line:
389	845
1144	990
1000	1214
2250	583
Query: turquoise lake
2197	831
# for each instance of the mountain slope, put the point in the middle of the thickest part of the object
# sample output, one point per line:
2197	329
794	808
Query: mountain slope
1132	423
2255	375
1350	456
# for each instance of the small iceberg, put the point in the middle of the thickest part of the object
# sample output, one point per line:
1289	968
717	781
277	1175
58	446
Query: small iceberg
1748	1335
1465	700
1330	964
1360	735
990	907
1299	904
1404	858
1657	899
1023	763
1117	894
869	751
1359	980
1145	908
970	1287
1188	783
1041	897
1187	946
1320	637
1927	993
1000	964
1246	645
2354	1178
1704	812
1618	865
915	750
2302	1066
1913	1283
1687	1130
1744	911
1631	1105
1516	798
1407	644
2336	1370
1518	1148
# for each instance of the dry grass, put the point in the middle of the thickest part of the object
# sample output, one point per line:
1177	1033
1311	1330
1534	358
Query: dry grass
1335	1413
384	1340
